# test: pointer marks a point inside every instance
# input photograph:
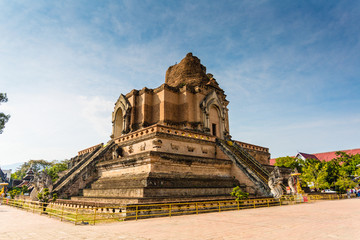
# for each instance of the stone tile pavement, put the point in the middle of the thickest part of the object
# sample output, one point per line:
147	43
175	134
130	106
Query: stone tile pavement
338	219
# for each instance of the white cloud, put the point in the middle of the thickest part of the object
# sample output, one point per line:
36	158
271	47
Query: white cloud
97	112
53	126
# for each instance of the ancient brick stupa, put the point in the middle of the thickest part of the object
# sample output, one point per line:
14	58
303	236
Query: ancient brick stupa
170	143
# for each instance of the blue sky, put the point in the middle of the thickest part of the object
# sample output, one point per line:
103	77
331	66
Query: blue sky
290	69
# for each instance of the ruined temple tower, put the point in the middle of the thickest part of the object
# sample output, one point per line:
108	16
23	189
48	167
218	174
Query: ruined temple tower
171	143
190	99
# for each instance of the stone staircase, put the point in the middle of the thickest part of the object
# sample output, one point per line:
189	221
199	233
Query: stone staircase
249	165
79	170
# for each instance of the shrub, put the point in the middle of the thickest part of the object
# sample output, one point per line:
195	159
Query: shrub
239	194
45	196
14	192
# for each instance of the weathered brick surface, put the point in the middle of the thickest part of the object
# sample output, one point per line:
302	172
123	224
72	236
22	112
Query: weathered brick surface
188	72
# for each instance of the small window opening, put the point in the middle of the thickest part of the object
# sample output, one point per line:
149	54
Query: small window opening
214	129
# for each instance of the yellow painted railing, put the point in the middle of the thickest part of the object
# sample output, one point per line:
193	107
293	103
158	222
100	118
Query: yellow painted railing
79	214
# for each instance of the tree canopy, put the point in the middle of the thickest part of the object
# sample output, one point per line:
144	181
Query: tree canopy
340	173
53	168
3	117
290	162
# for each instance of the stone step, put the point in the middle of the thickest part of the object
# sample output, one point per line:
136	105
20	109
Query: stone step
114	183
106	201
156	192
247	164
69	179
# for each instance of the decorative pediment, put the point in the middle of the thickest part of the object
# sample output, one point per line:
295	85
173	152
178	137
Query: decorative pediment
121	116
122	103
212	99
219	120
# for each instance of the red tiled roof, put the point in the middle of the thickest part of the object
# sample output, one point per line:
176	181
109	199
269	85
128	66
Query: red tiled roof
326	156
272	161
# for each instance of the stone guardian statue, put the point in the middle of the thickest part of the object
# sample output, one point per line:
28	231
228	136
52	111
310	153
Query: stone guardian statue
41	181
294	182
274	183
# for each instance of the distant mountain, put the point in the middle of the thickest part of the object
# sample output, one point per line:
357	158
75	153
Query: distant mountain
13	166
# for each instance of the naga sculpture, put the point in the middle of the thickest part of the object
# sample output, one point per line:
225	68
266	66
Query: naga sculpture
41	181
294	183
275	183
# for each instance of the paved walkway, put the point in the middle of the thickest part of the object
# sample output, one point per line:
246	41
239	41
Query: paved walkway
339	219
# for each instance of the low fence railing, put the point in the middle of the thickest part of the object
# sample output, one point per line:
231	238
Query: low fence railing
81	214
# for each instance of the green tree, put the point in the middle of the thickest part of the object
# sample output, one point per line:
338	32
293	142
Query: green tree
341	172
314	171
357	175
24	189
348	171
349	163
46	196
3	117
56	168
344	182
52	168
14	192
37	165
333	169
290	162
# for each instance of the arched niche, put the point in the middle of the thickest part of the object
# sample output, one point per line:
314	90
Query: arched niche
121	117
118	123
214	120
214	115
